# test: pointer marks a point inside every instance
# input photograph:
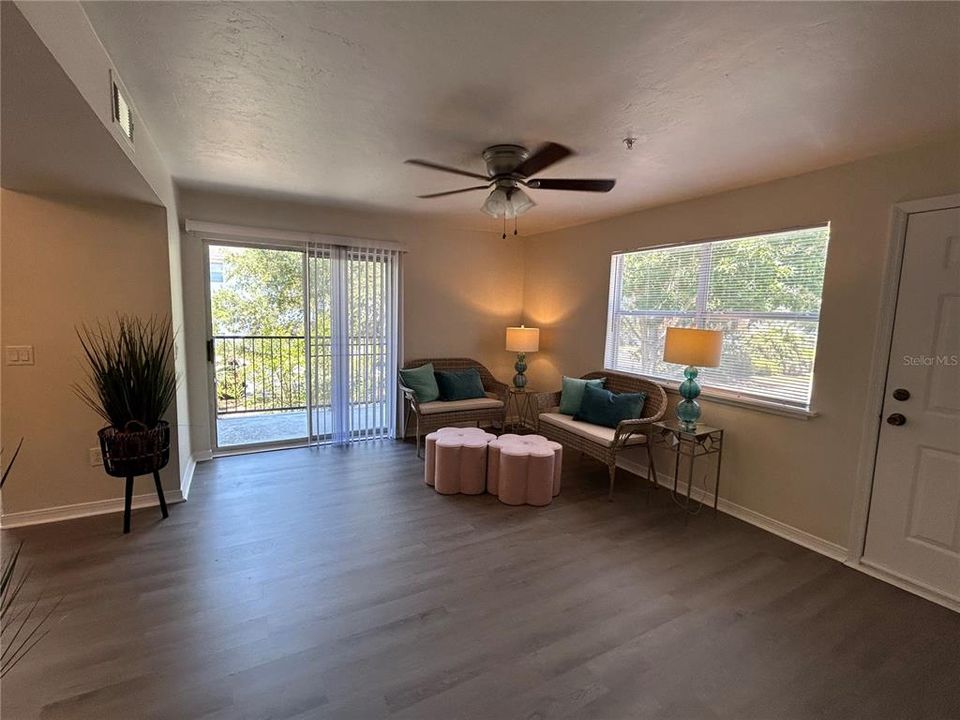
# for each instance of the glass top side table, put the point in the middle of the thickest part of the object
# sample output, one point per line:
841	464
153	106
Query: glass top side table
525	404
692	444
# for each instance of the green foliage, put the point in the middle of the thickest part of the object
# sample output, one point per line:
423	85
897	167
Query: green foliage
260	373
725	286
262	293
261	296
765	274
777	349
660	281
130	376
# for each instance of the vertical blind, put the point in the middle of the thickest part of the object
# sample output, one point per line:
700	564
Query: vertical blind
763	292
353	321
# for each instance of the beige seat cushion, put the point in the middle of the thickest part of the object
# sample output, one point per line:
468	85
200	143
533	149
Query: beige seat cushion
597	433
445	406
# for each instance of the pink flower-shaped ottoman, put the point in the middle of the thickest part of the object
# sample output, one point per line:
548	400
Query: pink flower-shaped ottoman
456	460
524	469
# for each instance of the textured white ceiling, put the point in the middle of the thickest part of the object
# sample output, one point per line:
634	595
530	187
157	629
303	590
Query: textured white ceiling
326	100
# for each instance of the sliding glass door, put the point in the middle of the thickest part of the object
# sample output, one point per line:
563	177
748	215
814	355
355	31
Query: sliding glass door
303	343
257	347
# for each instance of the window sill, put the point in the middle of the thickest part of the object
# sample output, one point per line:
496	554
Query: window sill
724	398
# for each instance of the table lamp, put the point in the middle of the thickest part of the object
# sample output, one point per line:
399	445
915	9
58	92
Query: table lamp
691	347
522	340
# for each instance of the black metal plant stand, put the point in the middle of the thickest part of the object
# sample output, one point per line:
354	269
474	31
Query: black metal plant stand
128	499
128	454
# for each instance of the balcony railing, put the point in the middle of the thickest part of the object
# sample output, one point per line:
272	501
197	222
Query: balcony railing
267	373
260	372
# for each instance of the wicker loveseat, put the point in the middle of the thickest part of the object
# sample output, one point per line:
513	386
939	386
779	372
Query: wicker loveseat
603	443
440	413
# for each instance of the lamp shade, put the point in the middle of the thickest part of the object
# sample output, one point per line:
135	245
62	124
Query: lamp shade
523	339
694	347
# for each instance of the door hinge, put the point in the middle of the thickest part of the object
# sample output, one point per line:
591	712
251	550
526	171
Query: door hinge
210	351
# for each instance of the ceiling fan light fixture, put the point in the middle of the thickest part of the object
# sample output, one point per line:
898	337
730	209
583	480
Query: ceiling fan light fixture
496	204
508	168
521	202
507	203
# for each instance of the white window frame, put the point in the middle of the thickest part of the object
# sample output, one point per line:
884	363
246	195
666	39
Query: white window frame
671	384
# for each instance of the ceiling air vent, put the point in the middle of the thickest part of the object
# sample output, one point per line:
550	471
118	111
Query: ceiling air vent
122	114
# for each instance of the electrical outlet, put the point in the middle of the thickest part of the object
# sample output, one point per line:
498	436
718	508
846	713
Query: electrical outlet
96	457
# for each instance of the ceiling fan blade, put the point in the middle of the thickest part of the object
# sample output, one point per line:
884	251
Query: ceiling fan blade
454	192
581	185
444	168
542	158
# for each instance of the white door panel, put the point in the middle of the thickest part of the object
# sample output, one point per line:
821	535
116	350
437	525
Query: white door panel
914	522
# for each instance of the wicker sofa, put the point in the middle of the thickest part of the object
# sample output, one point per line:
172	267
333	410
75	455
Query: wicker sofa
603	443
440	413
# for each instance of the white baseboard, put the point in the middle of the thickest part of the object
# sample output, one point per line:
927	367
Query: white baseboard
103	507
79	510
788	532
832	550
912	586
800	537
187	479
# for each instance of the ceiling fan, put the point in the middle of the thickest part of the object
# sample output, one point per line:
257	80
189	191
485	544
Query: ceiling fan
509	168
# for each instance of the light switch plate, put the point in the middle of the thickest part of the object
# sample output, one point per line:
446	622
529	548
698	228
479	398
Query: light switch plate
96	458
18	354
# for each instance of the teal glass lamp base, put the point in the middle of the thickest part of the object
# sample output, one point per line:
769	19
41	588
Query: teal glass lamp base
520	380
688	409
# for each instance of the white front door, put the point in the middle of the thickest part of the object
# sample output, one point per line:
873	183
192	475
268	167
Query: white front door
914	523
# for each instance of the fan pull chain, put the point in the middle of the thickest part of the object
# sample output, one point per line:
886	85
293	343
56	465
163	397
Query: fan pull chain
516	223
504	226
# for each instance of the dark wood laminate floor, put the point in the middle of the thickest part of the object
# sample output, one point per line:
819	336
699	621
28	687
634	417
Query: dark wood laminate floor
333	584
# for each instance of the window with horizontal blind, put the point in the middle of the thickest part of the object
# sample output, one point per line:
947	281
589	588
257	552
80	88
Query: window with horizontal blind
762	291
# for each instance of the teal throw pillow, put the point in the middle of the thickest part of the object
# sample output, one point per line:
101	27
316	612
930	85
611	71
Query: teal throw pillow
422	381
460	384
572	393
602	407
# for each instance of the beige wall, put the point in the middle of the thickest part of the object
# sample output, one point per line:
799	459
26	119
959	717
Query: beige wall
460	291
64	263
800	472
68	37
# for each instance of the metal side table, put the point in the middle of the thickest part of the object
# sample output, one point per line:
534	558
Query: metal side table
525	403
692	444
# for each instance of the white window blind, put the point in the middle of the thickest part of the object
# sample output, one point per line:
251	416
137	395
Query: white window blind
353	309
762	291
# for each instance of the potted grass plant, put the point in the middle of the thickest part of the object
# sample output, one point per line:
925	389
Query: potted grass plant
130	383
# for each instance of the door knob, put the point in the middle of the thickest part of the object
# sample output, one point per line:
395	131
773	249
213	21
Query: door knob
896	419
901	394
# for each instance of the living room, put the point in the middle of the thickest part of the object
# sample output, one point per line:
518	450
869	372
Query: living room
733	224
